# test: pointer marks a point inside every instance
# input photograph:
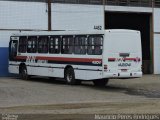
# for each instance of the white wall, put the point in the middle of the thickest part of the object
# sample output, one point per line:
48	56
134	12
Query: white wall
157	20
156	53
77	17
5	37
23	15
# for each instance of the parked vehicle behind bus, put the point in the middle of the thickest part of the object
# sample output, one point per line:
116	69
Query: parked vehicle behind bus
77	55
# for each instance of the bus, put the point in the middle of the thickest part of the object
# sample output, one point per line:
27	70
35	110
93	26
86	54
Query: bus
77	55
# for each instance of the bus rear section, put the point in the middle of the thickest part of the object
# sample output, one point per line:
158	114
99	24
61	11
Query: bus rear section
122	57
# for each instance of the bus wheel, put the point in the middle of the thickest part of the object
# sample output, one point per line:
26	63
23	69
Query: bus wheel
69	76
23	73
101	82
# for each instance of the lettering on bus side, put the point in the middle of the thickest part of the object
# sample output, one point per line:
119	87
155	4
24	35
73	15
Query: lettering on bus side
124	64
120	59
31	59
42	61
98	27
96	62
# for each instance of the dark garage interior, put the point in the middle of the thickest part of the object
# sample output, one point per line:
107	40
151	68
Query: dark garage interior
134	21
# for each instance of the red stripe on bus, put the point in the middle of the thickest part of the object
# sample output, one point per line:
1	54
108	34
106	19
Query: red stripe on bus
111	59
131	59
68	59
21	57
62	59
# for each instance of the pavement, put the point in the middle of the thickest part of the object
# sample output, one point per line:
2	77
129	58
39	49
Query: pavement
45	96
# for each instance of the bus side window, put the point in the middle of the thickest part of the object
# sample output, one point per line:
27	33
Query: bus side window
80	45
54	44
95	45
43	45
90	45
32	44
67	45
22	44
98	42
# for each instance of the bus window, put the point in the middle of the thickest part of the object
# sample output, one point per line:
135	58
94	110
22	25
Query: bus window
80	45
67	44
22	44
43	45
95	45
32	44
54	45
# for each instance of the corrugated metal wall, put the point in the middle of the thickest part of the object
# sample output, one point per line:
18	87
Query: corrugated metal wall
15	16
76	17
23	15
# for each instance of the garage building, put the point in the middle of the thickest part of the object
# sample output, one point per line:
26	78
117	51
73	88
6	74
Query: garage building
31	15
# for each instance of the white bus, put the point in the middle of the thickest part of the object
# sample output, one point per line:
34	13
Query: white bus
77	55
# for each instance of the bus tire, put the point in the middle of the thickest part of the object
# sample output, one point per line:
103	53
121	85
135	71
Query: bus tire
23	73
100	82
69	76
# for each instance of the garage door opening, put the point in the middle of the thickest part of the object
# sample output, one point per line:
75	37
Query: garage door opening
135	21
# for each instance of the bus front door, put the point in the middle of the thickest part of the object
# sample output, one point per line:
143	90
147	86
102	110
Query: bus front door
13	49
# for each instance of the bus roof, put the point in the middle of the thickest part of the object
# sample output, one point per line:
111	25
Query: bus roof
35	33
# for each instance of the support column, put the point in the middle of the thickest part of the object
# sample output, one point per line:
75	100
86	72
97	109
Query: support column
49	16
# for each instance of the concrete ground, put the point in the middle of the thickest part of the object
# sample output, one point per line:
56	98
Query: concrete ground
45	96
